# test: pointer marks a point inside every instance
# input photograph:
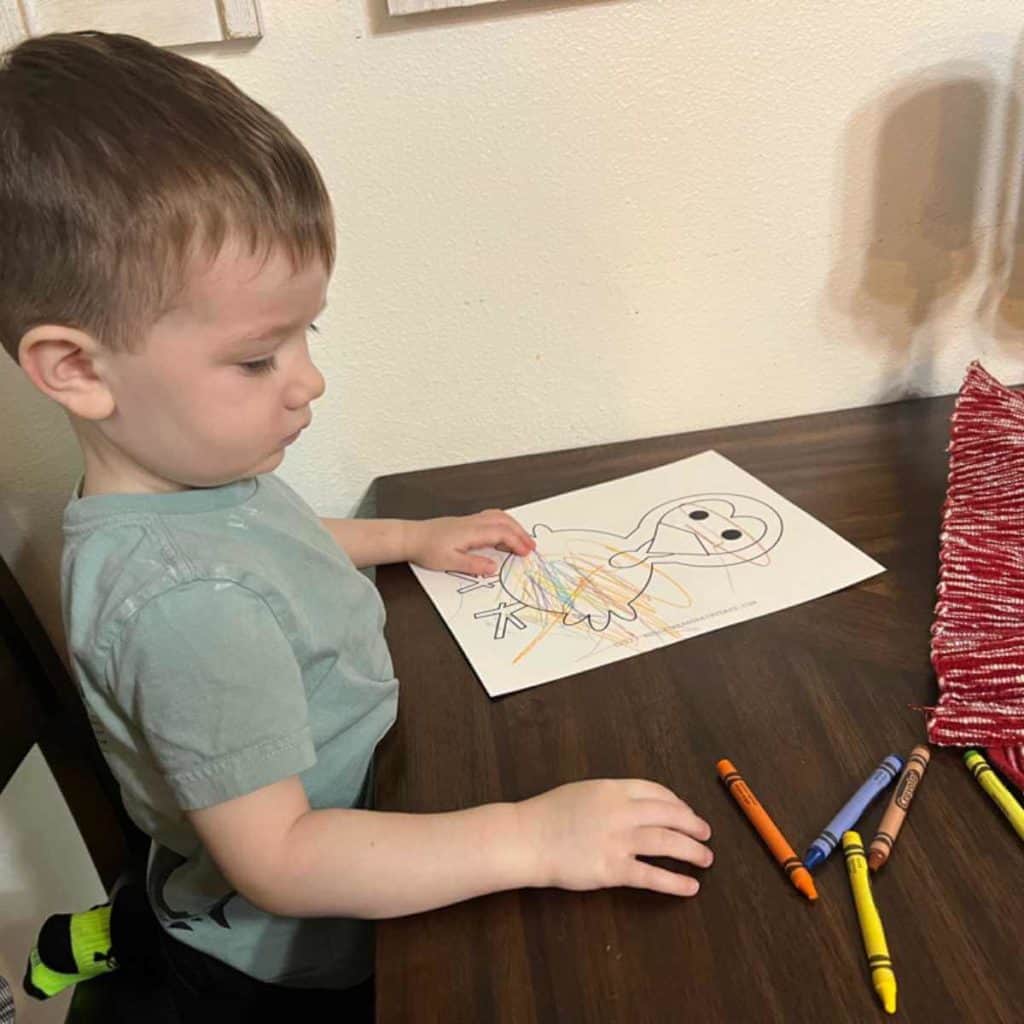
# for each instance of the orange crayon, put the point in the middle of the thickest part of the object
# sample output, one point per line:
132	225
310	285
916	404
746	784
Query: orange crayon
767	829
896	813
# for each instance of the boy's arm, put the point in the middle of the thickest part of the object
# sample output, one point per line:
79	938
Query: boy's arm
371	541
443	543
296	862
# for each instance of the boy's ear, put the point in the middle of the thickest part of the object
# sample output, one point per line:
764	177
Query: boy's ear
62	363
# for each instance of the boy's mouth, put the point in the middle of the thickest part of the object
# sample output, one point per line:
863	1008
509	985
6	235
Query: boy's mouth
292	438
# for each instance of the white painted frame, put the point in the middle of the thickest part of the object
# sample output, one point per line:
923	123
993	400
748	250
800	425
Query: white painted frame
420	6
162	22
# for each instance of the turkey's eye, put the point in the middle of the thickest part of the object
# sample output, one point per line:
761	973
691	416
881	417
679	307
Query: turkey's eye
731	534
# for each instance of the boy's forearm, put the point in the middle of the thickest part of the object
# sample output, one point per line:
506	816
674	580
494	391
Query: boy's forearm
371	864
371	541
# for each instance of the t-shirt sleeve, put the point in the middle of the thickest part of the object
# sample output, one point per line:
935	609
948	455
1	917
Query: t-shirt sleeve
207	675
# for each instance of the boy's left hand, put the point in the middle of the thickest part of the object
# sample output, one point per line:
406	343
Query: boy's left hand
447	543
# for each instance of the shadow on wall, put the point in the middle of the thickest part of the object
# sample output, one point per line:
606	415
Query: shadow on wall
912	230
932	214
38	468
931	243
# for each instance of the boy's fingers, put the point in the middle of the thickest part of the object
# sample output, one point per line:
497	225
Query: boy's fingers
475	565
512	532
645	789
646	876
501	535
666	842
672	814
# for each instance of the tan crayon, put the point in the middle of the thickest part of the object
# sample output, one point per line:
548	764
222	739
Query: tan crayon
899	804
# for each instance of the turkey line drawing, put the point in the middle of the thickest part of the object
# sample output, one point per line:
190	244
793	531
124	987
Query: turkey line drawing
592	578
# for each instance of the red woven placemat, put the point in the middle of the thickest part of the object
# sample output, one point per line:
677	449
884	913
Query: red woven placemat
977	642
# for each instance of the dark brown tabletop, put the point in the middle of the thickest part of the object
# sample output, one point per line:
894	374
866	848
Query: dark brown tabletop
805	701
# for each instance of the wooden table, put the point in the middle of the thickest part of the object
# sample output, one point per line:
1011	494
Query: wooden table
805	701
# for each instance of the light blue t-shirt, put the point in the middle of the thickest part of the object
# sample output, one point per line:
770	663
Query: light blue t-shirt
223	641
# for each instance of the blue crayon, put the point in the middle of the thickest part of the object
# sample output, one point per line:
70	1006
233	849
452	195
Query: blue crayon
846	819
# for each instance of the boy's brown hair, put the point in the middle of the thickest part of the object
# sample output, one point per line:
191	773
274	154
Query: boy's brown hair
119	163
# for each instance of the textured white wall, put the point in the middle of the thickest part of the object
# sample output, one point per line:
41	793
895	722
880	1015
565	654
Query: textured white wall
569	223
619	219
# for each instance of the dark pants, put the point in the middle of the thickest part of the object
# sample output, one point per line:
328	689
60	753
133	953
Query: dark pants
204	989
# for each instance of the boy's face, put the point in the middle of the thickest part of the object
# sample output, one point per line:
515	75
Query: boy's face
222	384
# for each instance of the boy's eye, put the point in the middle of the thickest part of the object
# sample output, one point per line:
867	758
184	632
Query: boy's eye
258	366
268	364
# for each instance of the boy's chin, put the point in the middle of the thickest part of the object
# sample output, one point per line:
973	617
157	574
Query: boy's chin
267	465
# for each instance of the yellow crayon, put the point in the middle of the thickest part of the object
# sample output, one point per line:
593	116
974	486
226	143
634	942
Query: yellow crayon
990	782
882	976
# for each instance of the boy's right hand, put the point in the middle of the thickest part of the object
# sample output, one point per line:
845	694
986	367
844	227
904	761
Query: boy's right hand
588	835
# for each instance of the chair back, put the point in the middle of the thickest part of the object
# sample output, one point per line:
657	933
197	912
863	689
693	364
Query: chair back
39	703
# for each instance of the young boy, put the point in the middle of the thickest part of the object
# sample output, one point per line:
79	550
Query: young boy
166	244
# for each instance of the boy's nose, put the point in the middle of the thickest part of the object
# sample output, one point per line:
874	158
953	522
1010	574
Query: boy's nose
307	387
317	384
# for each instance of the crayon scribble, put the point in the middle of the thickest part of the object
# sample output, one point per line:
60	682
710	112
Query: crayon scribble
599	580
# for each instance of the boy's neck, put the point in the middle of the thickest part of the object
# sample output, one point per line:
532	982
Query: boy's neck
101	479
109	471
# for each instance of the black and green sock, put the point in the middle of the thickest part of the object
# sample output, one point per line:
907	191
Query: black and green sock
70	948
